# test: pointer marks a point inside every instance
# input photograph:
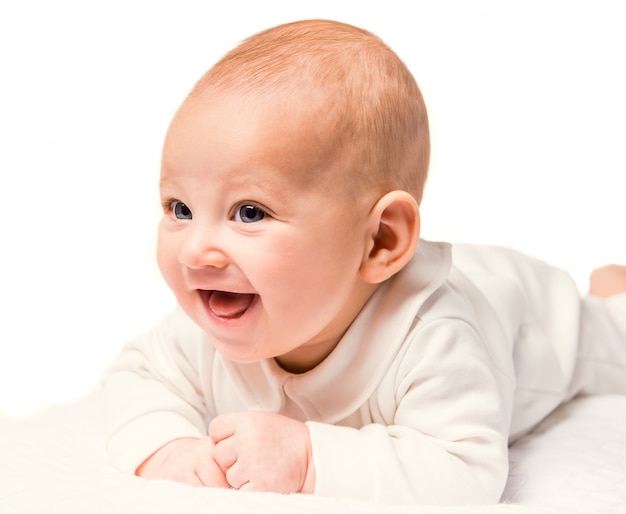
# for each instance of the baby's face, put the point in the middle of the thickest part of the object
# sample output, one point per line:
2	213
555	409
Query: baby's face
260	252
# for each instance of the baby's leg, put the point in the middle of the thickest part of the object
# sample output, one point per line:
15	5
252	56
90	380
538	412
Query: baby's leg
608	280
601	366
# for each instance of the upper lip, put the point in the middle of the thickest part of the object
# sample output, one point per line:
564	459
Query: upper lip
207	280
211	282
222	290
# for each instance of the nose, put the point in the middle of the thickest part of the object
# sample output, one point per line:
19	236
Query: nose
200	250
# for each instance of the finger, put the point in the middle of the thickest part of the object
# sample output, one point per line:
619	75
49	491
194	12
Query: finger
250	486
237	478
207	469
222	426
225	454
211	475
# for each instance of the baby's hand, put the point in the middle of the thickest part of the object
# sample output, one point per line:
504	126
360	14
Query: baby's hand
187	460
262	451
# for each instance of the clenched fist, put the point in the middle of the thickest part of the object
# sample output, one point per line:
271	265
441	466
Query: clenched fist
187	460
262	451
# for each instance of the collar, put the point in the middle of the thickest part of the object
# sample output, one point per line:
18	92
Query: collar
344	381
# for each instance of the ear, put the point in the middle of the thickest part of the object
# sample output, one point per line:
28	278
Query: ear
394	228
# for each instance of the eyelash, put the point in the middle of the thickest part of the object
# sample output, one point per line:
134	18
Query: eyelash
169	206
238	208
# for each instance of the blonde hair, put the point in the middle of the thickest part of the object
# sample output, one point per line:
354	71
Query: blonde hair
373	110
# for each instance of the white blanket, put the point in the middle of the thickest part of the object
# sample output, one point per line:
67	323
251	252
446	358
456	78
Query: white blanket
53	462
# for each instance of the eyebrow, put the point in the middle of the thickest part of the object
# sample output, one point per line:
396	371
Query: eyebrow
163	181
258	183
255	183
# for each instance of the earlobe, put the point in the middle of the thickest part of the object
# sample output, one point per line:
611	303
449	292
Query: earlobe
393	237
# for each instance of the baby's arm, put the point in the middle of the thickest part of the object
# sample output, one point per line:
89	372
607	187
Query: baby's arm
156	412
439	433
154	394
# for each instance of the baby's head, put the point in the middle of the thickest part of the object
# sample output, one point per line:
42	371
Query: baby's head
290	182
365	107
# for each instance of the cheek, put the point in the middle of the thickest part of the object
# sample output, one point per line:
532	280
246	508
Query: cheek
166	255
309	275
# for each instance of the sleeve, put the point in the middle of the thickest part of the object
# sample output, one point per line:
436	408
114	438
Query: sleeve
443	437
153	392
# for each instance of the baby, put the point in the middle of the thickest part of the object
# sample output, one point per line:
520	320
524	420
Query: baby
319	345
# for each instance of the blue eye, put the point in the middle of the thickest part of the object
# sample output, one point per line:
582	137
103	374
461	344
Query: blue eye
249	213
181	211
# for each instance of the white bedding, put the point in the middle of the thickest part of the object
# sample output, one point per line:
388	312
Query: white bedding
53	462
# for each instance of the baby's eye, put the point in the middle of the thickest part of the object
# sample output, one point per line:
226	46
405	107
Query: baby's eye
249	213
181	211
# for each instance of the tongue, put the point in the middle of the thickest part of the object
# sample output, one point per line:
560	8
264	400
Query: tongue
229	305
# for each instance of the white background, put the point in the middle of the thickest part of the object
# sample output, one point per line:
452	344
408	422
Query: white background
527	102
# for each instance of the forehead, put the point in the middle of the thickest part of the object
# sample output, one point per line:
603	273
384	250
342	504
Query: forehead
232	131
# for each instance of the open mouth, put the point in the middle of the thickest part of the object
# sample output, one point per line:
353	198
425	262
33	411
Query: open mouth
225	305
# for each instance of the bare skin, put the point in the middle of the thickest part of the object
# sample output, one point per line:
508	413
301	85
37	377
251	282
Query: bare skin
187	460
254	451
263	451
608	280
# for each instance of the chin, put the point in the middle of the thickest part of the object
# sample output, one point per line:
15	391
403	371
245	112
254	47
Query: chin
240	357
